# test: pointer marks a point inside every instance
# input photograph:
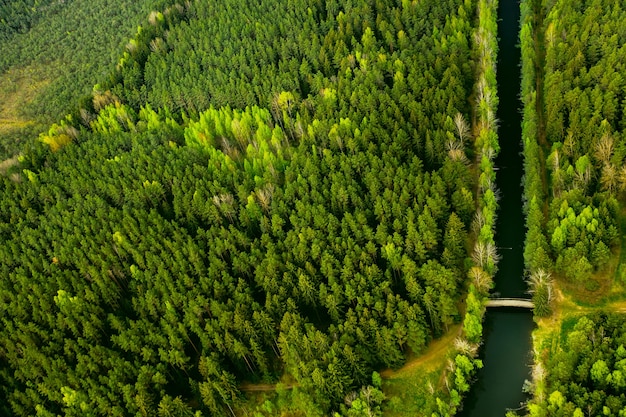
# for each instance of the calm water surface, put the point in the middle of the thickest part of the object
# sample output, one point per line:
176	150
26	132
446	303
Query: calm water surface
506	353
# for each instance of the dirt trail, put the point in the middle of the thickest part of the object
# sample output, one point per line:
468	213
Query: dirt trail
432	356
435	353
264	387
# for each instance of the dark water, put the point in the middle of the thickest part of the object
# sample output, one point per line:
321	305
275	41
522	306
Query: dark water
506	358
506	353
510	230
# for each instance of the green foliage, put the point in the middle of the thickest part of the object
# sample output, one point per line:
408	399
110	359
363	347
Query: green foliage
365	403
484	254
254	190
18	16
64	47
541	283
464	369
537	249
586	372
581	234
472	323
582	98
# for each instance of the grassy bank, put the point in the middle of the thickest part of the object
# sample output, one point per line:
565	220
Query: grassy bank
411	388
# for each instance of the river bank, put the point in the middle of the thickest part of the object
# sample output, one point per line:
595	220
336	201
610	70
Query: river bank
506	353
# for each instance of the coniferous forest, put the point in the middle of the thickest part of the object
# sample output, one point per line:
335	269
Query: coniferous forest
585	128
579	111
574	139
53	52
253	190
586	368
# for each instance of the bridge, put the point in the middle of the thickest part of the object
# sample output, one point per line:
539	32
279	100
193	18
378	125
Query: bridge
510	302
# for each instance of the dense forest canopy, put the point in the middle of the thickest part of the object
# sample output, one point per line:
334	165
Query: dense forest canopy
20	16
257	189
587	369
574	139
53	52
574	128
585	113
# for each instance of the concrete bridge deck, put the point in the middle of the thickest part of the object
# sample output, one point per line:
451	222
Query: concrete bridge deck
510	302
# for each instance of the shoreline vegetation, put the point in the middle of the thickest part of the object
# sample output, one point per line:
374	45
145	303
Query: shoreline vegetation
484	253
458	364
569	116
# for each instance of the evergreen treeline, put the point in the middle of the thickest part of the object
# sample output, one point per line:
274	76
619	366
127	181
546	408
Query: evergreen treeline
537	251
574	120
574	131
460	371
583	103
316	225
405	66
587	369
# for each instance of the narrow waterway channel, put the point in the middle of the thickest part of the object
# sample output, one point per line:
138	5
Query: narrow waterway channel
506	353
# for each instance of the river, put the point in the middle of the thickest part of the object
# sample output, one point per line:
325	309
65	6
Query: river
506	352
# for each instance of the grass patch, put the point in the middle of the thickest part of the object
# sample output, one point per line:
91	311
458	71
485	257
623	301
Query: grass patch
619	281
410	388
603	287
595	292
19	87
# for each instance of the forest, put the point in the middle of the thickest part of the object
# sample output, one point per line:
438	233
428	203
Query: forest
582	114
586	133
574	145
586	368
53	52
251	191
